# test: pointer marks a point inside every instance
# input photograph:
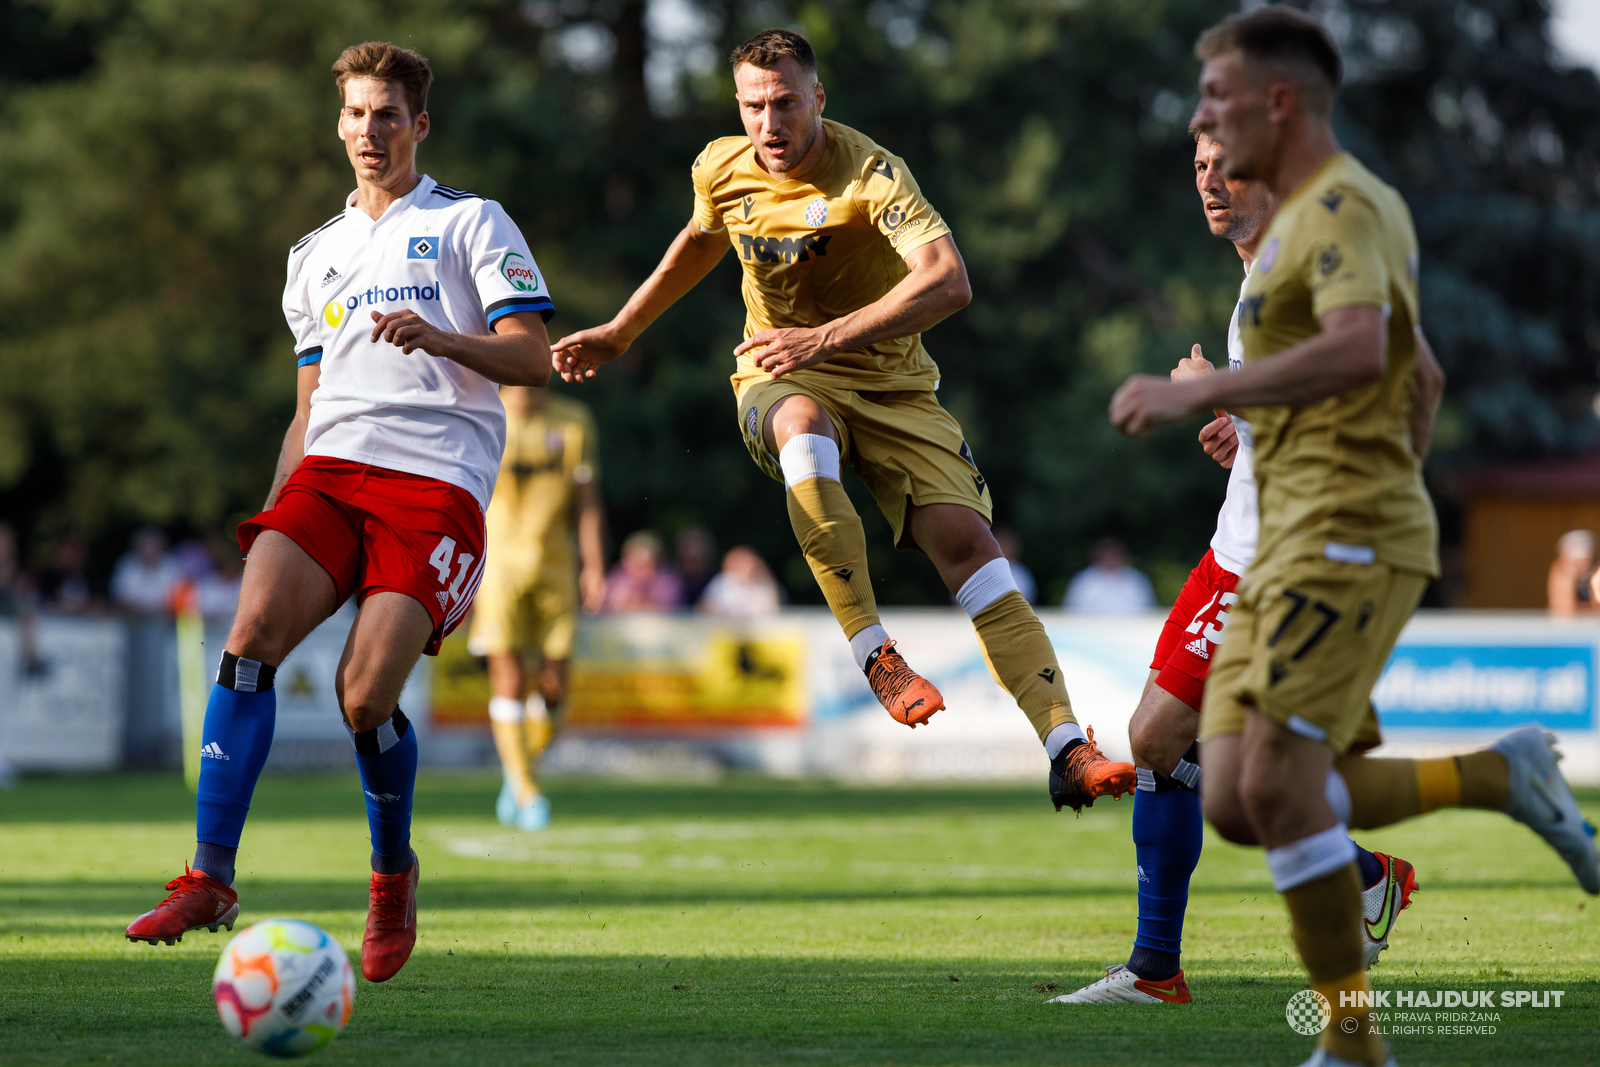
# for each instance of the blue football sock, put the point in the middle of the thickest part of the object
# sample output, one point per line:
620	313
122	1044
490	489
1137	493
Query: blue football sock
1166	837
387	757
1371	868
234	744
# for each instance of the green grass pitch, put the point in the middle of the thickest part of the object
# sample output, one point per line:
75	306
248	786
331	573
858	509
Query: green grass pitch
749	922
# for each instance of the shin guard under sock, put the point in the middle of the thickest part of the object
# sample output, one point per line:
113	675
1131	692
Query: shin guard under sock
387	757
835	546
1167	835
1023	661
1325	921
234	741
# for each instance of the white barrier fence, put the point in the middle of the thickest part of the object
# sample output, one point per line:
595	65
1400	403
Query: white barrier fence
782	695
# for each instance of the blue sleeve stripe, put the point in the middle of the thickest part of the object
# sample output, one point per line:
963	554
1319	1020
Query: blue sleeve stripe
308	357
501	308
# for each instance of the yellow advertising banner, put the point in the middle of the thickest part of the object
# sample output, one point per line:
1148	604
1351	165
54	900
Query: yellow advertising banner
677	674
654	673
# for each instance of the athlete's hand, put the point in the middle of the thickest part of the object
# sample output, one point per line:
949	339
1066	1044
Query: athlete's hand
1220	439
578	355
788	350
1192	367
409	331
1144	401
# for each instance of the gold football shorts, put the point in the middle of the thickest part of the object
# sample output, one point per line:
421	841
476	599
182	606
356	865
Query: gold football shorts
540	615
904	446
1305	645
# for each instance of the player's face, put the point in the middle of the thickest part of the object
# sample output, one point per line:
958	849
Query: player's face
1233	112
379	132
781	109
1235	210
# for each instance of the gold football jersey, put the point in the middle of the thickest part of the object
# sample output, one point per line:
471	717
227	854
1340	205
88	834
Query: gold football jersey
1338	478
530	520
816	250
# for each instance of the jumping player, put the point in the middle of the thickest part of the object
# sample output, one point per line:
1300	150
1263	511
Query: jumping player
546	503
407	307
1348	537
1166	808
845	263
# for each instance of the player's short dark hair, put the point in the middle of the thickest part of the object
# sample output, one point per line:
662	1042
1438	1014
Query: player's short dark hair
770	47
390	63
1277	34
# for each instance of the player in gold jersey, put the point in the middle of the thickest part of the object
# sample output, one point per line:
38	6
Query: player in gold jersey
845	263
1348	538
545	555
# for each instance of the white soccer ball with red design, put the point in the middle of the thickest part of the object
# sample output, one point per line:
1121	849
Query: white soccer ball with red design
284	987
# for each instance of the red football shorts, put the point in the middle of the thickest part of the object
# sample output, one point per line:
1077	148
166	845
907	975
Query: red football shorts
374	529
1193	630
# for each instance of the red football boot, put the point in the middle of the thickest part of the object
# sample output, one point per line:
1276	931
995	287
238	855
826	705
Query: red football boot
391	923
195	900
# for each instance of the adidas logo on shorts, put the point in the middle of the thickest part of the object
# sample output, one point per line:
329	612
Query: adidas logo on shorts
1198	648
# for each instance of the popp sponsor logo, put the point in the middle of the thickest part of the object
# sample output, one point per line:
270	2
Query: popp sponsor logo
517	271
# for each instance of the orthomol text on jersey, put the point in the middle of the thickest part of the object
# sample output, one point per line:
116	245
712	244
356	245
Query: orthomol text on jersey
334	313
783	249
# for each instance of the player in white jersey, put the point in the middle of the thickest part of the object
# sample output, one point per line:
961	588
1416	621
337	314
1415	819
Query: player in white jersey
1166	813
407	308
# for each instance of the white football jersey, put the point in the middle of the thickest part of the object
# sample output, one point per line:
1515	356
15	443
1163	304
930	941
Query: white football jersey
457	260
1238	523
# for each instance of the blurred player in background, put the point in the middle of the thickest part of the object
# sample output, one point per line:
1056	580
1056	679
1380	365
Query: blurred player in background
1166	809
1348	538
845	264
546	555
407	307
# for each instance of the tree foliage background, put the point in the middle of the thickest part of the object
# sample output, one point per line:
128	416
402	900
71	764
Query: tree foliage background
158	157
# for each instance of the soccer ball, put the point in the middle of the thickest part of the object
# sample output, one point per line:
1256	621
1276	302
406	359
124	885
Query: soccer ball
284	987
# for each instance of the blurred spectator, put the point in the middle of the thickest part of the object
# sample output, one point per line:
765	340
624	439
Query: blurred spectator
144	577
1108	586
218	588
16	602
1011	548
639	581
743	588
696	554
63	586
1570	574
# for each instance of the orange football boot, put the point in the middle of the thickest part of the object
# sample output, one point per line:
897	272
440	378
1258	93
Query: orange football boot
1082	772
391	923
906	695
195	900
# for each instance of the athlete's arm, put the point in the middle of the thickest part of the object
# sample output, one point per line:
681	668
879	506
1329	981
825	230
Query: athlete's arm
689	258
936	288
294	439
1346	353
1425	405
516	353
591	547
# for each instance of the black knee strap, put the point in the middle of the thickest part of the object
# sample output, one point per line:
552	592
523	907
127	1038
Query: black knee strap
245	675
380	739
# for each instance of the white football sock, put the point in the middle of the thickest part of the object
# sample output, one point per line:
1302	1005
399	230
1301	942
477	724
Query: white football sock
988	583
1310	858
505	709
1058	738
808	455
866	640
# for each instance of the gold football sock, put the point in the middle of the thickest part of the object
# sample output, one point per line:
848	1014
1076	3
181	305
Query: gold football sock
536	728
513	757
1385	791
1325	922
1484	780
1022	660
835	545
